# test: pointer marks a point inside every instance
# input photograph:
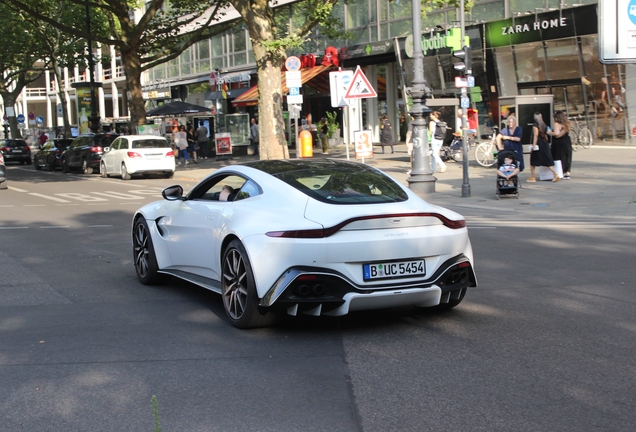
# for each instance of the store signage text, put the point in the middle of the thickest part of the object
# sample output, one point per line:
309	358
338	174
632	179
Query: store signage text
233	78
537	25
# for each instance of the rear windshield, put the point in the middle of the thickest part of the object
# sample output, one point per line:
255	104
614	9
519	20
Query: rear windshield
337	182
150	143
104	140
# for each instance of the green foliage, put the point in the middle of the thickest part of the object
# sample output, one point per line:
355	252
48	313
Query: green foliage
155	413
332	123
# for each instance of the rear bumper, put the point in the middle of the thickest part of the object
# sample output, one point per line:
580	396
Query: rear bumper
317	291
3	173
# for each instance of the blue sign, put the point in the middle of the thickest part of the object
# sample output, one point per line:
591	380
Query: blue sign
465	102
294	91
20	118
471	81
631	11
39	119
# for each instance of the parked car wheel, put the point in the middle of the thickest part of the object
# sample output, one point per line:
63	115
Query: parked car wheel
3	185
124	172
65	168
240	300
144	254
102	170
51	166
37	166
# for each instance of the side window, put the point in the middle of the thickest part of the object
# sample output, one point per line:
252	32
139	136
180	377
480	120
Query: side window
248	190
214	190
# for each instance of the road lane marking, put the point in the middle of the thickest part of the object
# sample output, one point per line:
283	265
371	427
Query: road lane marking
16	189
56	226
82	197
119	195
10	228
49	197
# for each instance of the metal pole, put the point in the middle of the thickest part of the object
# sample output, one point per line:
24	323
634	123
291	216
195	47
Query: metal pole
465	147
421	181
94	118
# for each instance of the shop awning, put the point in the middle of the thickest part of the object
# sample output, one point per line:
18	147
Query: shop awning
250	97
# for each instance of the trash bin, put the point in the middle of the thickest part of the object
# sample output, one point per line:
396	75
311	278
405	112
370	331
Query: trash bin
306	144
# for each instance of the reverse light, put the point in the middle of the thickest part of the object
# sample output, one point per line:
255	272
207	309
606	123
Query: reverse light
133	155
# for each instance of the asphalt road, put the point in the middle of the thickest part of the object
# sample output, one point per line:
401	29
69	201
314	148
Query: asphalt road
545	343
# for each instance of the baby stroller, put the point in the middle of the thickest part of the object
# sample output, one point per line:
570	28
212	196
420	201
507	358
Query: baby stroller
503	188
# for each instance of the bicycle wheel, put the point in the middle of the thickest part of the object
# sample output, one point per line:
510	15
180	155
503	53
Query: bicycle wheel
484	154
585	138
575	140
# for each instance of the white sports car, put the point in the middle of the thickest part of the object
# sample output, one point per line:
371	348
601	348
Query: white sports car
305	236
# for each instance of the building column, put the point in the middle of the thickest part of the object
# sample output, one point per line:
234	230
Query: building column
391	100
630	101
372	104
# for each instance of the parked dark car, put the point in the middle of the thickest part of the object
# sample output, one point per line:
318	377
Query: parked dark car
15	150
85	152
3	173
50	155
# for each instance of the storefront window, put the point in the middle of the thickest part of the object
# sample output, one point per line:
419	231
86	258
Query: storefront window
530	62
488	11
563	59
359	36
506	71
526	5
357	13
401	28
400	9
173	68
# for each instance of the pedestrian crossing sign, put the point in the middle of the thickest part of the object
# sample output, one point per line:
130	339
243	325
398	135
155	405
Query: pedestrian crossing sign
360	87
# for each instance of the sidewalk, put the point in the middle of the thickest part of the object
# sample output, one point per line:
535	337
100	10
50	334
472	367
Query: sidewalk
602	185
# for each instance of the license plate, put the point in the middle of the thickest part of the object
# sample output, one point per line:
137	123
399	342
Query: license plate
394	269
16	151
153	157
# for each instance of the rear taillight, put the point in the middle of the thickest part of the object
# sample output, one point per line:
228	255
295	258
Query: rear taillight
95	149
170	154
27	148
133	155
4	148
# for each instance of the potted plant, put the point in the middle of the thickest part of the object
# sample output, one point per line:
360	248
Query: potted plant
332	127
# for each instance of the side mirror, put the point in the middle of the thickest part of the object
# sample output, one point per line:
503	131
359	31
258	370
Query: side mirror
106	149
173	193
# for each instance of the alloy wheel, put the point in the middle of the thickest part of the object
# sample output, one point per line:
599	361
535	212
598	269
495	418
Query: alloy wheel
235	288
141	249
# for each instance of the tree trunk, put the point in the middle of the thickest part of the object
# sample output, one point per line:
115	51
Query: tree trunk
61	94
9	99
132	68
269	62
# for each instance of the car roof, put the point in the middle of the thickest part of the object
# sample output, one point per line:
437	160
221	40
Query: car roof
143	137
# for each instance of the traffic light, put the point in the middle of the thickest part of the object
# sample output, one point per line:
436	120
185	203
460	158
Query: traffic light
465	65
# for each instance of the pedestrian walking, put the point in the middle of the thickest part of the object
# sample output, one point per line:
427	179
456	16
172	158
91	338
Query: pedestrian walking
192	145
437	131
386	133
540	155
180	139
254	137
561	143
202	141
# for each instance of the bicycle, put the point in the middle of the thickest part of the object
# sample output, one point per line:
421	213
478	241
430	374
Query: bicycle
486	152
580	135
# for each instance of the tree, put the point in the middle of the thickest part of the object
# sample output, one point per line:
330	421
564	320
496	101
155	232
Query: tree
270	44
19	66
161	32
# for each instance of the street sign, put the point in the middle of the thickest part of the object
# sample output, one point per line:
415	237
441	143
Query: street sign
293	79
363	144
461	82
31	115
360	87
465	102
339	83
20	118
616	31
294	111
39	119
294	91
60	110
292	63
471	81
295	99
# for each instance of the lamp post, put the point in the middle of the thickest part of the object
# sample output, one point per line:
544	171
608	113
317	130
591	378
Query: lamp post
94	117
468	69
421	181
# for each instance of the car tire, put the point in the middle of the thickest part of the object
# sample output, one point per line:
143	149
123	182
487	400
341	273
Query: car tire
37	166
3	185
124	172
102	170
65	168
85	168
240	299
51	166
144	257
29	162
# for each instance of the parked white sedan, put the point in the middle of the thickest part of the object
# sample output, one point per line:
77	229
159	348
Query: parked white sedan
318	237
130	155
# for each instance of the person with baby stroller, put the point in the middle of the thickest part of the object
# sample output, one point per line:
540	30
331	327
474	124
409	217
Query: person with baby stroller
507	173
